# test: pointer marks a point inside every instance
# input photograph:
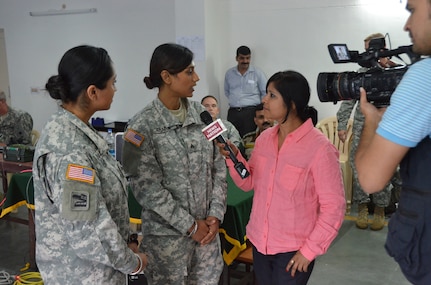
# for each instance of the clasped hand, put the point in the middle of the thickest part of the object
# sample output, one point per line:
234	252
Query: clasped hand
207	230
135	248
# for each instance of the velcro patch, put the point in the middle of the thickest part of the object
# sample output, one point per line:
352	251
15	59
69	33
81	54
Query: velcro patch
80	173
134	137
80	201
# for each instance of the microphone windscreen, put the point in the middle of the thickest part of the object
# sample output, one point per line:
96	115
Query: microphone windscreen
206	117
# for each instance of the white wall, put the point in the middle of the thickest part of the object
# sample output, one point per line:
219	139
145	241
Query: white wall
282	35
220	56
4	75
294	34
128	30
190	23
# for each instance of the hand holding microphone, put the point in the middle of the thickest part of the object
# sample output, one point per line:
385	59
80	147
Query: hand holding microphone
226	152
214	130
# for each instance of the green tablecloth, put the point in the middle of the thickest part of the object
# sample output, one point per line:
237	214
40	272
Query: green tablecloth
20	192
235	220
232	230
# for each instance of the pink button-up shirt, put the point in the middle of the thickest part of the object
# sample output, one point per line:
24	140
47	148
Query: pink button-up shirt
298	201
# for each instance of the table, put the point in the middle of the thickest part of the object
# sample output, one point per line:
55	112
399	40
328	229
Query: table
21	187
11	167
20	193
232	230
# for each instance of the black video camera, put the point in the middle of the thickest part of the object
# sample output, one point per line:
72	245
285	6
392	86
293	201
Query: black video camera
379	82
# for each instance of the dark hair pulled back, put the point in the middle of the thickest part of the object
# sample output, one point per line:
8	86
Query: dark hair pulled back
79	68
294	89
171	57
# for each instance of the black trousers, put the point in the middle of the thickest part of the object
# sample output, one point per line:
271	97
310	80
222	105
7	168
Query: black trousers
271	269
242	119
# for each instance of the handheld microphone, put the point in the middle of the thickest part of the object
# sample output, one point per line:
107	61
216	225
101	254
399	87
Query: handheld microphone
214	130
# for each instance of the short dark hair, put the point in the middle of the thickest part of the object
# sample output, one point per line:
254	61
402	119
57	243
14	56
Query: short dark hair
209	96
244	50
294	89
259	107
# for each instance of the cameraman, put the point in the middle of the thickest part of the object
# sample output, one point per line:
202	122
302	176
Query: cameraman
381	199
403	136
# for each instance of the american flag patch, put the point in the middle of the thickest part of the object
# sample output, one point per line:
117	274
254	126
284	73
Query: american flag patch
133	137
80	173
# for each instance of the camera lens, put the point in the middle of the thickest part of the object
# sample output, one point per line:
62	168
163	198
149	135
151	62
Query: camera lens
379	84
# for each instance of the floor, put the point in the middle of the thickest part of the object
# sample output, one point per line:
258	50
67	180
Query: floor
356	257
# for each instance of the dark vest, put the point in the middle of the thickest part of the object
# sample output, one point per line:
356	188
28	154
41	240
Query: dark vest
409	232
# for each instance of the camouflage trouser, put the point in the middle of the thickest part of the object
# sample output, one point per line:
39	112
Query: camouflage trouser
178	260
381	198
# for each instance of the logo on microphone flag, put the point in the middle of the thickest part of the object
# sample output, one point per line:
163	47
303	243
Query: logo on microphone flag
214	129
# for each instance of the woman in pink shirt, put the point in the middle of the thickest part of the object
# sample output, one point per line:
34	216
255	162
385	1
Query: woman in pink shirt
298	204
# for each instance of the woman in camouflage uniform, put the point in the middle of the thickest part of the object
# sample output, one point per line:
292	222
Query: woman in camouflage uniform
177	176
81	217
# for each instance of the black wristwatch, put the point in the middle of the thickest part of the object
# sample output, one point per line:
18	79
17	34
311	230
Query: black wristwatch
133	238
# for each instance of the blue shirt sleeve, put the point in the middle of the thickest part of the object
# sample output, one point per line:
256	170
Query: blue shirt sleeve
261	82
407	121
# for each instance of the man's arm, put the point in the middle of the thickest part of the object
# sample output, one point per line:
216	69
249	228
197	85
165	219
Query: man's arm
226	84
376	158
23	125
26	124
343	116
344	113
261	82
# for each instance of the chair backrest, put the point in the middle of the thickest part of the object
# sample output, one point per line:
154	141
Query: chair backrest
34	137
328	126
118	144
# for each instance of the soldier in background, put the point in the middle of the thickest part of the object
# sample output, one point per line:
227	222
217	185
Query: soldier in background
380	199
15	125
211	105
262	124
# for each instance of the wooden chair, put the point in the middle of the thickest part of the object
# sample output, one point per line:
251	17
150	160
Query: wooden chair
245	258
328	126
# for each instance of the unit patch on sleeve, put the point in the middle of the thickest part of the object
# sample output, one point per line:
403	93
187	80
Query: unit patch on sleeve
80	200
134	137
80	173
